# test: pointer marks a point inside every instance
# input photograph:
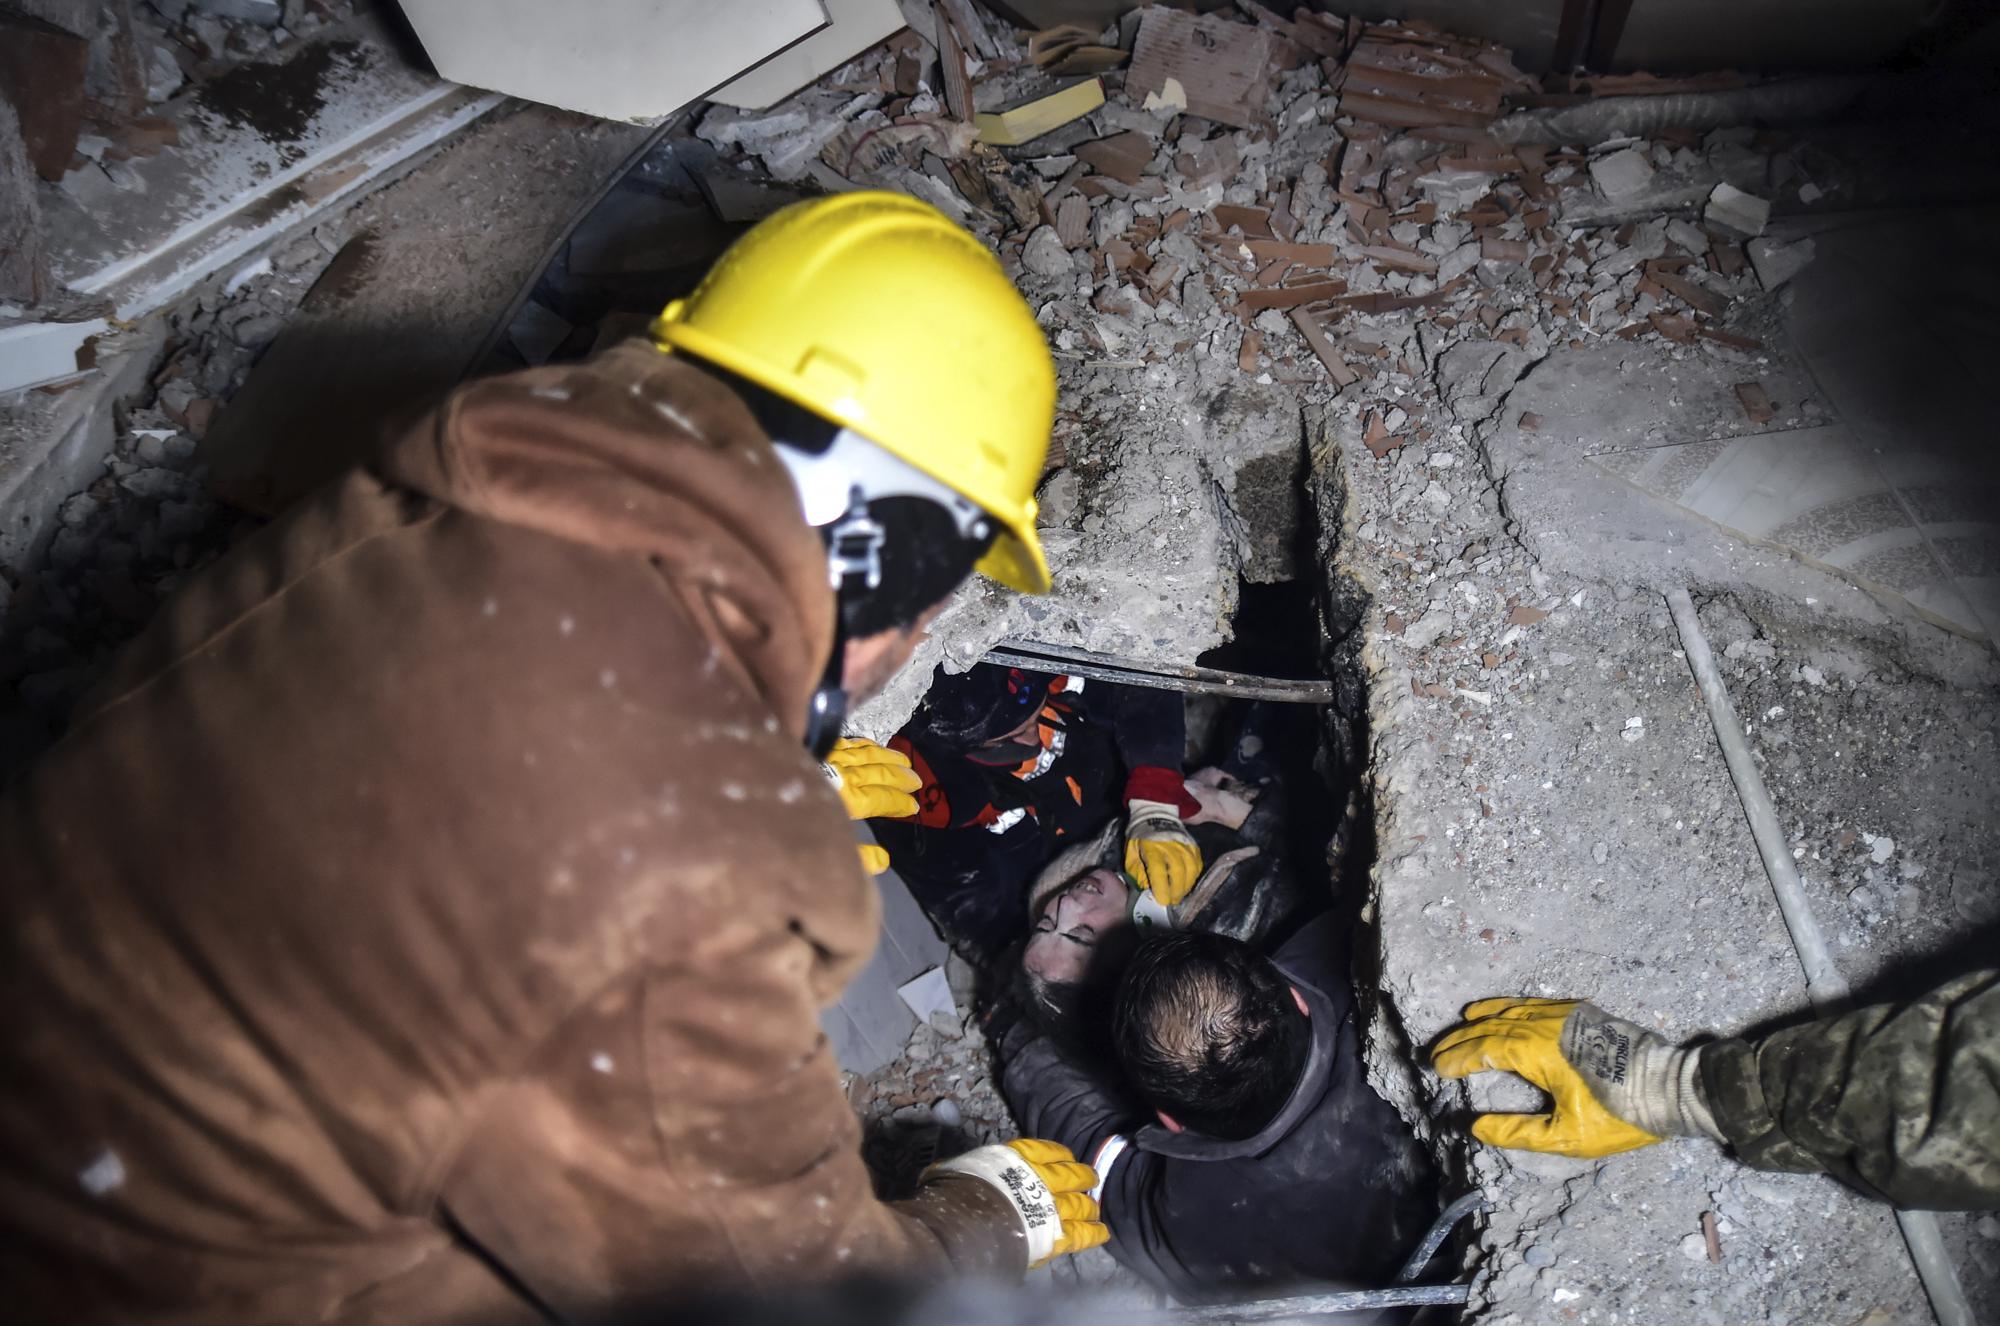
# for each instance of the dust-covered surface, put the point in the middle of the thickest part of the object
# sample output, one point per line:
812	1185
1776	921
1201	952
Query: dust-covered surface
1551	812
465	226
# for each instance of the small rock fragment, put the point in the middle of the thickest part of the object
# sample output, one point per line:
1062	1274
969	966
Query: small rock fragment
1622	173
1739	213
1777	262
1045	255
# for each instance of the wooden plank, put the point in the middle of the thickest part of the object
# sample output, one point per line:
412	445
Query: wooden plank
1694	296
1291	296
951	60
1401	260
1305	255
1408	115
971	27
1323	347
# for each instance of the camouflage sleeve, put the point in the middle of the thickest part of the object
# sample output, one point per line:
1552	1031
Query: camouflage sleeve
1900	1100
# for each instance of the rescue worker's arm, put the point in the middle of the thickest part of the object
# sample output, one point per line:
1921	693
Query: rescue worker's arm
1900	1100
1150	728
1052	1098
687	1130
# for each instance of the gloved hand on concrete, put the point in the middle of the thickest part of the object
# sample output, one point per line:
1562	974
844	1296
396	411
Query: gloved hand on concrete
1616	1086
874	782
1159	852
1049	1188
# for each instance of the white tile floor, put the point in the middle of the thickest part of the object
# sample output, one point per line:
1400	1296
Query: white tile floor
1897	322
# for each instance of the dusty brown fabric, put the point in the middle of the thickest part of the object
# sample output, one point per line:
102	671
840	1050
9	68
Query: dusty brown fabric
441	883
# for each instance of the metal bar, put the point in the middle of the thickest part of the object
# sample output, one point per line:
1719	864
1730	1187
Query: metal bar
1607	28
1572	35
1440	1230
1825	986
1160	676
1319	1305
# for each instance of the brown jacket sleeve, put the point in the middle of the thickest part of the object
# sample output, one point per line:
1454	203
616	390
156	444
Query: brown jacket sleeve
1901	1100
686	1131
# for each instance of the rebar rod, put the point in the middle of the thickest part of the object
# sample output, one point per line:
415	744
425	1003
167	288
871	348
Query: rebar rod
1825	986
1158	676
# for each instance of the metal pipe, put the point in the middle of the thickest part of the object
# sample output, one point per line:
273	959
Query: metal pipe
1322	1305
1158	676
1824	983
1603	118
1825	986
1440	1230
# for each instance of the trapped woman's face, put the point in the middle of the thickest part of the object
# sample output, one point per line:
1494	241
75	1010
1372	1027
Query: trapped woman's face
1073	921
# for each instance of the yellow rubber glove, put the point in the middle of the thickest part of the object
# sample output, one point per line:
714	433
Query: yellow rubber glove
874	859
1048	1188
1160	854
1529	1037
874	782
1069	1180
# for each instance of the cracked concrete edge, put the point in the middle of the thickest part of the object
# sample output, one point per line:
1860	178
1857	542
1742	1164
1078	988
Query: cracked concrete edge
57	449
1400	826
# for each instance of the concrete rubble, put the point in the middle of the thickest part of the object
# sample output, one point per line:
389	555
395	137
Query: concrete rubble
1344	331
1370	262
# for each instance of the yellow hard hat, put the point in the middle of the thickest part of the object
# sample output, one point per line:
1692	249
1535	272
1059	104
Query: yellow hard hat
875	311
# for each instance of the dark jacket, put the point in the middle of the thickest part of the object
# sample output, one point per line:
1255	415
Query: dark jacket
1900	1100
429	919
1334	1191
982	832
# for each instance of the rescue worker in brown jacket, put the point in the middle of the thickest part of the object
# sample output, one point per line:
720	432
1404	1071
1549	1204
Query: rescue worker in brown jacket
429	917
1898	1100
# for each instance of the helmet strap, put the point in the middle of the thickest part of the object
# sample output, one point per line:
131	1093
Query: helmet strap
826	711
853	567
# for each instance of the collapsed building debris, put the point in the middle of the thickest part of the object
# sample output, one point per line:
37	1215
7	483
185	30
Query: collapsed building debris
1332	282
1366	238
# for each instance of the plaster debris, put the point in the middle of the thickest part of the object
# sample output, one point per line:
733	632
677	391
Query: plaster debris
1731	209
104	1175
1777	262
1622	173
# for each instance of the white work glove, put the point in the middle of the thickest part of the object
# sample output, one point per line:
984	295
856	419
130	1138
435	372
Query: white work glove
1160	854
1048	1187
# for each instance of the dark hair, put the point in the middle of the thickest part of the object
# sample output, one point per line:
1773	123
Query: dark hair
1077	1015
923	556
1206	1030
967	709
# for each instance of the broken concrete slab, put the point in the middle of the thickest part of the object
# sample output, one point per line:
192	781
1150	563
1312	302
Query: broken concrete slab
1621	174
1741	214
24	263
852	27
246	174
635	60
390	326
1778	261
52	445
33	353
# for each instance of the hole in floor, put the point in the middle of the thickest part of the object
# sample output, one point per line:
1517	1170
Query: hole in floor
1030	765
